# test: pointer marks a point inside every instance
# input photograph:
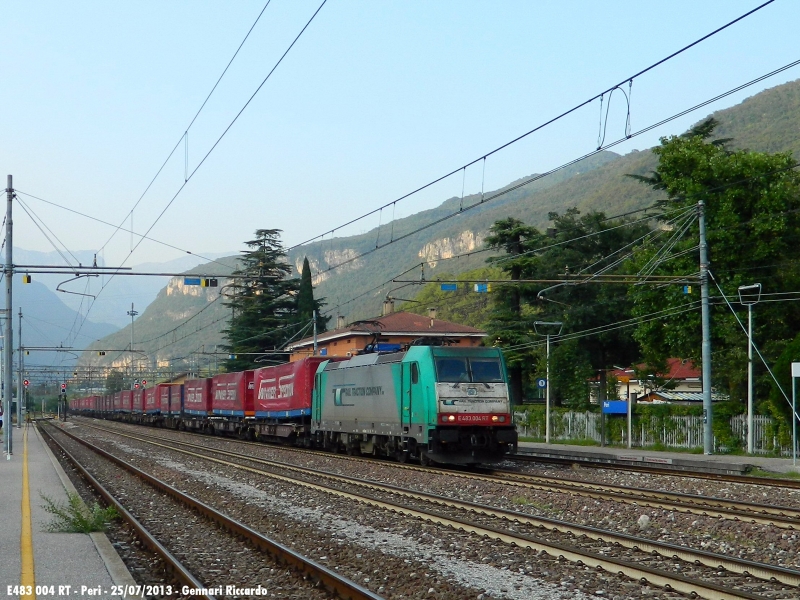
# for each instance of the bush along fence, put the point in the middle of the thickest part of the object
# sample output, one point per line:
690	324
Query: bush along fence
663	426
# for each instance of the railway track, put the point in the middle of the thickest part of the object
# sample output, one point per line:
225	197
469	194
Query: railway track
658	469
307	570
783	517
181	574
735	578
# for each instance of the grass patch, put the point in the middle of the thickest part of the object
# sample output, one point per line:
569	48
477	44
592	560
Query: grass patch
575	442
756	472
523	501
76	517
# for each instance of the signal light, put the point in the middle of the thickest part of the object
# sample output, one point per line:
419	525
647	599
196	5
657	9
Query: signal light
25	383
26	279
63	387
208	282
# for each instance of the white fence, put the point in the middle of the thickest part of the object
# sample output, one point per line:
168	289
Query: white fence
670	431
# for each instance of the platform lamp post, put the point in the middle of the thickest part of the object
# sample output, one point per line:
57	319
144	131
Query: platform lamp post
546	329
795	375
749	295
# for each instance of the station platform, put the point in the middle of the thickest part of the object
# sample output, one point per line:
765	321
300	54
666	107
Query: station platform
728	464
54	565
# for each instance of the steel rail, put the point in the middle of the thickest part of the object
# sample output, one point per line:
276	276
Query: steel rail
657	469
779	516
708	559
788	517
180	572
341	586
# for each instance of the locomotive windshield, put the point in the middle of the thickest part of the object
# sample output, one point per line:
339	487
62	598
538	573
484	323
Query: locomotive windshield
468	370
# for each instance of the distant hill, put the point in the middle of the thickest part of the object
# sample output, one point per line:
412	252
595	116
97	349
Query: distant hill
769	121
179	330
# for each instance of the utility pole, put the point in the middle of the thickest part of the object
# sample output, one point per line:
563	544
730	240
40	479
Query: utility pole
20	375
315	333
8	272
132	313
708	436
547	326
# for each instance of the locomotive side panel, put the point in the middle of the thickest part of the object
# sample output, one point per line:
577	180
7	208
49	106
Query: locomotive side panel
359	396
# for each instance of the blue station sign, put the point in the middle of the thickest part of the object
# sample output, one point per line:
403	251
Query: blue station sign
615	407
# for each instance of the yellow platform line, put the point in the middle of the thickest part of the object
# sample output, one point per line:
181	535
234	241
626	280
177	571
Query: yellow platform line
27	578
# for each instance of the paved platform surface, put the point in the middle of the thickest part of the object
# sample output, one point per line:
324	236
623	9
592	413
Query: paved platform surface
65	565
700	462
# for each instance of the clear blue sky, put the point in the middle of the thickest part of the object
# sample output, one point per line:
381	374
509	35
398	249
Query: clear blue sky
374	100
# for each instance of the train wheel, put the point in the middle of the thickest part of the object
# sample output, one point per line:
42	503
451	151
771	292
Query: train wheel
401	456
424	459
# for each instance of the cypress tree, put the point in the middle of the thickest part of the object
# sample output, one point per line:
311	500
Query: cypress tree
306	305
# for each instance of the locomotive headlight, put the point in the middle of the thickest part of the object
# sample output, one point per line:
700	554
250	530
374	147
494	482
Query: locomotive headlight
451	418
502	419
495	418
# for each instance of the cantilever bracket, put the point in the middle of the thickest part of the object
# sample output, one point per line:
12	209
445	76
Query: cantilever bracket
58	287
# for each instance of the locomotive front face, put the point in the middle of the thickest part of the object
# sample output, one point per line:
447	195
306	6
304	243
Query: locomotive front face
473	409
471	390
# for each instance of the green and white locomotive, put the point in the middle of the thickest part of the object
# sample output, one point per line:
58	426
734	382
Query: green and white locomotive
432	403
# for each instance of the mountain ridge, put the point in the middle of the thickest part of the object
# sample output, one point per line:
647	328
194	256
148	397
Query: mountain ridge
768	121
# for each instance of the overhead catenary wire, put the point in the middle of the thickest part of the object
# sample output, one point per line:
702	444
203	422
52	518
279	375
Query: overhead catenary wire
755	347
185	135
41	226
541	126
208	153
150	239
561	167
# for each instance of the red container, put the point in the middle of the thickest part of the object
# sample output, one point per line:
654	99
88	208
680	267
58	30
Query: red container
232	394
138	402
164	397
126	402
285	390
176	398
152	404
197	397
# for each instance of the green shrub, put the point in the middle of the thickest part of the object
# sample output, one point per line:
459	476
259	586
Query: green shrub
76	517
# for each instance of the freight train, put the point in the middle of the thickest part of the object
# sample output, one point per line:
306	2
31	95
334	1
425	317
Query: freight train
427	403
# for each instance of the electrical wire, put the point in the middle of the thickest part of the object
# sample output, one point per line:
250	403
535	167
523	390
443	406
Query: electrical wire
219	139
183	137
150	239
761	356
39	224
531	179
542	126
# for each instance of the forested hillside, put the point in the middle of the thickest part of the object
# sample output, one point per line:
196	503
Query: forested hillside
769	121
